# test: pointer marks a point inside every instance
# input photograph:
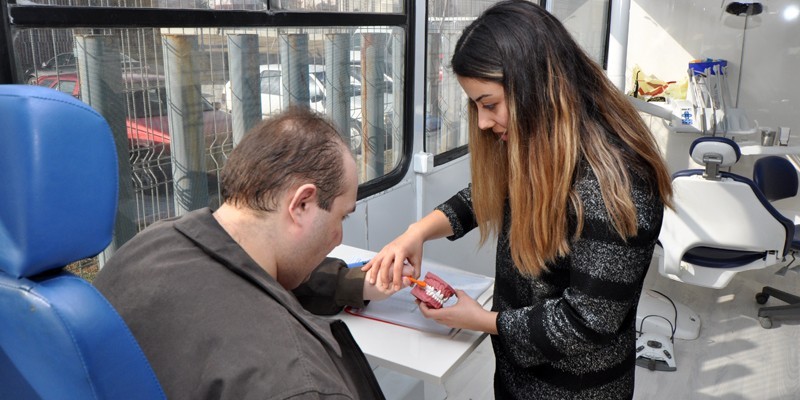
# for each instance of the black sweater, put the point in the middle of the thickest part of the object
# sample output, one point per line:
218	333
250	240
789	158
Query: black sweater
570	333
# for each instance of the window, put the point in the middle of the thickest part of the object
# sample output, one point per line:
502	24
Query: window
445	103
177	79
587	21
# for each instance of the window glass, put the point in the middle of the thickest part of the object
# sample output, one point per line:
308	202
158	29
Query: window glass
586	20
271	83
199	83
66	86
445	102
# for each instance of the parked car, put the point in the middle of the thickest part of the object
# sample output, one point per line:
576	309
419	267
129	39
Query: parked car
64	63
67	83
271	88
272	91
147	124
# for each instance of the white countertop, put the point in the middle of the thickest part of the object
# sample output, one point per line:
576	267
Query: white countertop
758	149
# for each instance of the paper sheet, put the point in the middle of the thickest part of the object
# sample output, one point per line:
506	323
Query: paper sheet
401	308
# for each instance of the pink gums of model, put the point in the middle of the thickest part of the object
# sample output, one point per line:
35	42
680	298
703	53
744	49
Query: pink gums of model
435	292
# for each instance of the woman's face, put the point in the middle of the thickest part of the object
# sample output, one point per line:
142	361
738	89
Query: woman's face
490	100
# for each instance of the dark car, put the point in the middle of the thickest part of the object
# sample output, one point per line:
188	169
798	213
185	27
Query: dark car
64	63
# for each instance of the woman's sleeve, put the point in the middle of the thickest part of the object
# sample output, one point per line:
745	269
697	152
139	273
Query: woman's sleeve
605	281
459	212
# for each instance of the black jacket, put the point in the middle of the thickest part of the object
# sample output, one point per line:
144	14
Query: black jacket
214	325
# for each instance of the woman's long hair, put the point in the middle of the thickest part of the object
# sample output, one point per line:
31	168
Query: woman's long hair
562	109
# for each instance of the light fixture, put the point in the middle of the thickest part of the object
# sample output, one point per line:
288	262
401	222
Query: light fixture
744	8
790	13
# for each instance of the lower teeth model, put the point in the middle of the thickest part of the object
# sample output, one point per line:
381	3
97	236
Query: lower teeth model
433	291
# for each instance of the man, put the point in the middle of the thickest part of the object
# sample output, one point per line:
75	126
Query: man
207	295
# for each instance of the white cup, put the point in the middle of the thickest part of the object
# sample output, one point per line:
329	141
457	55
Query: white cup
767	137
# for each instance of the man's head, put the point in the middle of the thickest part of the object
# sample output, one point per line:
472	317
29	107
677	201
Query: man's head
296	146
294	172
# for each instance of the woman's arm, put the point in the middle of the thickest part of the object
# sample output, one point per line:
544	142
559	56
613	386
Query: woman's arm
405	248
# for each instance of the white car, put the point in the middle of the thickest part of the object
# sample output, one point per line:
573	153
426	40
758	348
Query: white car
272	90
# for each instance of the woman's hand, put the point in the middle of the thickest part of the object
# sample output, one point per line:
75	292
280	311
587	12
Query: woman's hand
401	257
465	314
387	266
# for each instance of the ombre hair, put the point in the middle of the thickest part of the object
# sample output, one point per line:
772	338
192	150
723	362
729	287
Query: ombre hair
562	110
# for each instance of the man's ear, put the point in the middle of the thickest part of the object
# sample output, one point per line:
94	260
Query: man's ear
302	200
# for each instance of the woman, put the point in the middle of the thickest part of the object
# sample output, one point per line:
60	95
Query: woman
567	176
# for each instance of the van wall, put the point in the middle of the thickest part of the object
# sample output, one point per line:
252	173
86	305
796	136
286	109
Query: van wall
763	54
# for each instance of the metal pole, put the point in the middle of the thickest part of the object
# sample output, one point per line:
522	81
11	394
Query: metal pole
100	75
245	89
8	63
185	111
618	42
398	58
338	90
294	73
373	103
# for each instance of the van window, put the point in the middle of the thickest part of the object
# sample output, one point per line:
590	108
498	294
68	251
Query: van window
370	121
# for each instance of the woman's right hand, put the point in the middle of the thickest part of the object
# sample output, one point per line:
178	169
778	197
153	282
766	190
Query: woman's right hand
387	266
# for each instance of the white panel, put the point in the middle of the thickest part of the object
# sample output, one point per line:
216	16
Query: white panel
389	214
463	253
770	89
355	227
764	49
664	36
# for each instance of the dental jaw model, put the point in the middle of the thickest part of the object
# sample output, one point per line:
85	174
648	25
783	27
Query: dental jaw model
433	291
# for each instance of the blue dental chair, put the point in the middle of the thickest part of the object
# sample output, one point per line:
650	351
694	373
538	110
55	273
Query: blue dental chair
722	222
776	177
59	338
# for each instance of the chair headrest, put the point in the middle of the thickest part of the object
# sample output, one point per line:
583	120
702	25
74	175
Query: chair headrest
58	167
718	148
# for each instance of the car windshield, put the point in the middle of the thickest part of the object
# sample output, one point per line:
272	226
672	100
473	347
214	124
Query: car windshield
152	102
69	60
271	82
47	82
63	60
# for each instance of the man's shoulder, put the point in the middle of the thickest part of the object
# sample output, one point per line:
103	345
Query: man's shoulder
263	349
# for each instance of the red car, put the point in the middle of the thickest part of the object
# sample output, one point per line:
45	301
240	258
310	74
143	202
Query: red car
146	120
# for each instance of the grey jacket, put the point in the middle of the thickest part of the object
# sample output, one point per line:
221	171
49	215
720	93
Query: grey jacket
214	325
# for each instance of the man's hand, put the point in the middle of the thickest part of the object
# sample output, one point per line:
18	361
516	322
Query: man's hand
375	292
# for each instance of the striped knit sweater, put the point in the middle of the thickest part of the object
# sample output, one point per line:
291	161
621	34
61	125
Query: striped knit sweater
570	333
